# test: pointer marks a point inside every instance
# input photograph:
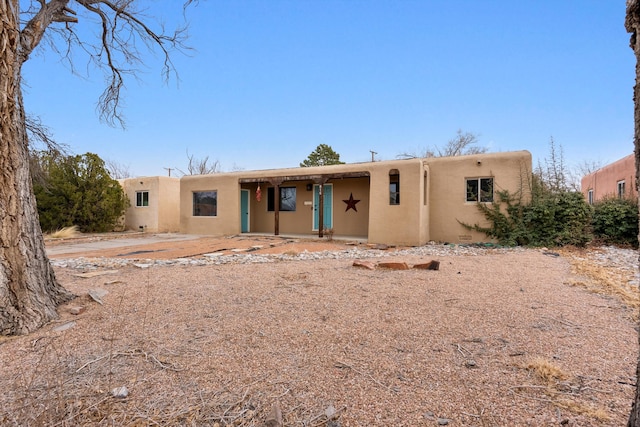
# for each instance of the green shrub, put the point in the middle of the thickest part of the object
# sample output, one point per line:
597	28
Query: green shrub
550	219
615	221
77	190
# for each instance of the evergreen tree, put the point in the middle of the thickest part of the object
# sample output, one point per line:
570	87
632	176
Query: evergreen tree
77	190
323	155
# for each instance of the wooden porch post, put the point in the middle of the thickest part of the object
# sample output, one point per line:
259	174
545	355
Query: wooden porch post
276	208
321	209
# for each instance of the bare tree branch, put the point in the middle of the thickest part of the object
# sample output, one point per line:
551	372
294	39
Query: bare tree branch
121	29
201	166
462	144
40	136
117	170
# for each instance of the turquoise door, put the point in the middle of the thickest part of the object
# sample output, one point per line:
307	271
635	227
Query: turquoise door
244	211
327	216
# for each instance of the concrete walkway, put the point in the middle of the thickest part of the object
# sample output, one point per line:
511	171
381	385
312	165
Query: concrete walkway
94	243
101	243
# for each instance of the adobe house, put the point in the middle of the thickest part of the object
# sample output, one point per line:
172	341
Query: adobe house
153	204
399	202
615	179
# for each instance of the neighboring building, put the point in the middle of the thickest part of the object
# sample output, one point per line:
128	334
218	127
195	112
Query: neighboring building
615	179
400	202
153	205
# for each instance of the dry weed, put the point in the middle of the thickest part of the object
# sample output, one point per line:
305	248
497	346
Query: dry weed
603	280
65	233
558	389
582	409
546	370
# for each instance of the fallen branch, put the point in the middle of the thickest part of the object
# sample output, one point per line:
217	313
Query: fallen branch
343	365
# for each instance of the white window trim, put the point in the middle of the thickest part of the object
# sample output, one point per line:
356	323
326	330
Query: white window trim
142	192
479	179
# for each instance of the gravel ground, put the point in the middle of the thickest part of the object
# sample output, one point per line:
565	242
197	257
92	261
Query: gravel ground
494	337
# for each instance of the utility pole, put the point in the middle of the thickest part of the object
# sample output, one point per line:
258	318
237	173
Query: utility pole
169	169
373	153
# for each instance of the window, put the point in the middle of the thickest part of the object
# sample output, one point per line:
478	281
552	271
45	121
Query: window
620	189
394	187
424	189
205	203
480	189
590	197
142	198
287	199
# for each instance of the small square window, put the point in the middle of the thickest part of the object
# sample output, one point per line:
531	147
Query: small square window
479	189
287	199
205	203
142	198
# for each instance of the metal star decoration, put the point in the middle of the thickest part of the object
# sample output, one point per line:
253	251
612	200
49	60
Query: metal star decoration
351	203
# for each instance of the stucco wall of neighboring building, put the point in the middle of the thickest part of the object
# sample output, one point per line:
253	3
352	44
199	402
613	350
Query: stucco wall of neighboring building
604	181
162	214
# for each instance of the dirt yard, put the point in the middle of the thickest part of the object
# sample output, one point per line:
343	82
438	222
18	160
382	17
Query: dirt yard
493	338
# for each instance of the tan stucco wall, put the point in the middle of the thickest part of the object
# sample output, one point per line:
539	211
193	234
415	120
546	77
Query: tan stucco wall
348	223
162	215
291	222
447	190
430	208
604	181
351	223
227	220
402	224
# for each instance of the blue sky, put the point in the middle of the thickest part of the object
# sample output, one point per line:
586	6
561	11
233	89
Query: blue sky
268	81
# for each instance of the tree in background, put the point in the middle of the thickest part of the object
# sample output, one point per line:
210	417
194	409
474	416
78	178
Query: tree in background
323	155
117	170
464	143
200	166
77	190
615	220
29	291
552	173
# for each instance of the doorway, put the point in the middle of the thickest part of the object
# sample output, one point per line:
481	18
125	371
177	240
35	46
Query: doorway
327	215
244	211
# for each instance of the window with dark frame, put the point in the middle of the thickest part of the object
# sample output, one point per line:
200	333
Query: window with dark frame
142	198
394	187
479	189
287	199
205	203
590	197
621	189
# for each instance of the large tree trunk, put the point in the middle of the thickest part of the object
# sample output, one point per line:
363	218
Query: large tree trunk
29	292
632	24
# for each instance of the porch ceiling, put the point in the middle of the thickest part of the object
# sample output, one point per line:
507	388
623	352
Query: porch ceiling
317	178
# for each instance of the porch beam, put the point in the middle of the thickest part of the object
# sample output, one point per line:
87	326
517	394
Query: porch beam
314	178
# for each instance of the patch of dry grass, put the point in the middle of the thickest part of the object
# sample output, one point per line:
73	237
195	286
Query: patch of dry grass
558	389
602	280
546	371
65	233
